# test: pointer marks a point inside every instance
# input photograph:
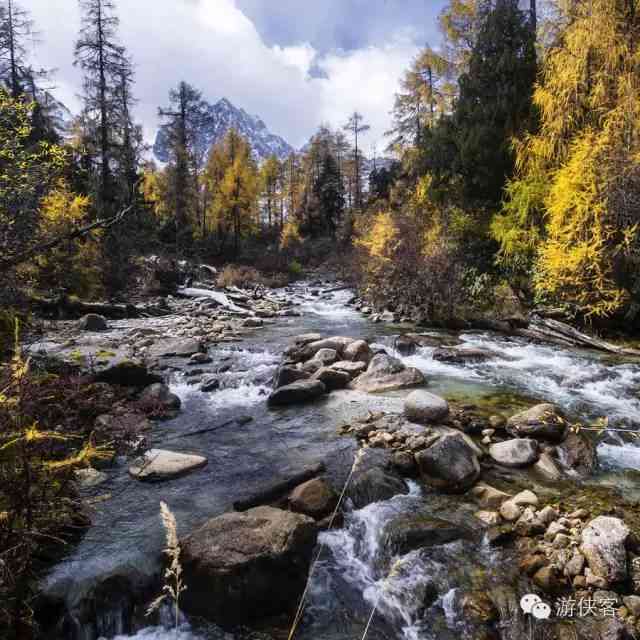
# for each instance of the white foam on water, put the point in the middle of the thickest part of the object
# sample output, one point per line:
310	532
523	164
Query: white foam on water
218	296
184	632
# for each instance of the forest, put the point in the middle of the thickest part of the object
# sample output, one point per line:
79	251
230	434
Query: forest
509	187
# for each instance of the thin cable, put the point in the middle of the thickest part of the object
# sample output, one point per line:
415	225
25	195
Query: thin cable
303	597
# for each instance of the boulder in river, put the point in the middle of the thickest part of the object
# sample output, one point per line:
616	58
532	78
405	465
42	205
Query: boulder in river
159	395
450	464
544	421
332	378
287	374
126	373
519	452
358	351
93	322
461	355
418	530
297	392
604	546
337	343
315	498
352	368
157	465
246	566
179	348
374	478
326	356
424	408
386	373
578	453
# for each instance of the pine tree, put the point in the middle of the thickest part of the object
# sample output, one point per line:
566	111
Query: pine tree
16	27
185	117
102	60
269	177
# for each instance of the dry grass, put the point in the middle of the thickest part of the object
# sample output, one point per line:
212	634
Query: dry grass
249	278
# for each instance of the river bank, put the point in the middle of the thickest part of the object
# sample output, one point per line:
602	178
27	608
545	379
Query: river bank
250	446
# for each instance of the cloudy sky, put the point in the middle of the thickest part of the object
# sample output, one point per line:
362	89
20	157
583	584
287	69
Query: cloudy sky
295	63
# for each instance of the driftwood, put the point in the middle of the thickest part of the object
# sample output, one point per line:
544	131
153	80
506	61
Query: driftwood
65	307
550	330
278	490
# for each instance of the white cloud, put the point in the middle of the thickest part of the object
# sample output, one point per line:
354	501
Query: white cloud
215	47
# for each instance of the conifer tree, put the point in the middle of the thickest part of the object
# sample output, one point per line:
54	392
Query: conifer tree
356	127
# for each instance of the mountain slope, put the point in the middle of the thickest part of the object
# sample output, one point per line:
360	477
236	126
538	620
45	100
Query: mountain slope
219	118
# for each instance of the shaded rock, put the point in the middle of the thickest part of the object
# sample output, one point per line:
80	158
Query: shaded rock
93	322
210	384
180	348
314	498
549	579
449	464
332	378
424	407
246	566
510	511
415	531
157	465
405	345
288	375
478	607
500	535
603	545
252	322
544	421
200	358
529	524
126	373
532	563
375	485
578	453
519	452
159	395
297	392
405	463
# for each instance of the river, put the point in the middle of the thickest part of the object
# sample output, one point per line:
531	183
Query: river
354	574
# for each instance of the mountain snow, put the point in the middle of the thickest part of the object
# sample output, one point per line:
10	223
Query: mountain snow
218	119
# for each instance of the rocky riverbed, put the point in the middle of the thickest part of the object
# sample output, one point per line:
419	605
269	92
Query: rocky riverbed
422	481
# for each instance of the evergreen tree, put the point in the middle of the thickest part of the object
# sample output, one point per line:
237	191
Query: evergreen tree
329	190
269	178
103	62
495	101
185	117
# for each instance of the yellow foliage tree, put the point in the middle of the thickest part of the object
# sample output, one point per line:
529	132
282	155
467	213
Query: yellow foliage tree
578	182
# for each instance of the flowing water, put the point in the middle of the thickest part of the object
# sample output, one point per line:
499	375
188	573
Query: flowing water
411	597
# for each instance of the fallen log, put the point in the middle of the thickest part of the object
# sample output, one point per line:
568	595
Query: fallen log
63	307
278	490
553	330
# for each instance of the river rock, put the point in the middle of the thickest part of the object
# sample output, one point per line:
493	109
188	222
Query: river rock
326	356
287	374
374	478
246	566
332	378
313	498
89	478
209	384
157	465
405	463
578	453
179	348
297	392
93	322
159	395
337	343
549	579
416	531
358	351
519	452
405	345
126	372
449	464
424	407
547	468
352	368
252	323
489	497
603	545
544	421
385	373
488	518
461	355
